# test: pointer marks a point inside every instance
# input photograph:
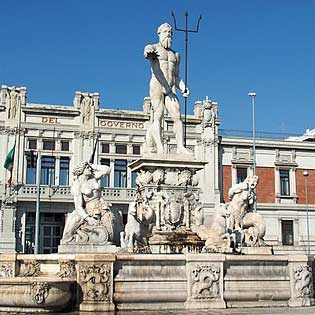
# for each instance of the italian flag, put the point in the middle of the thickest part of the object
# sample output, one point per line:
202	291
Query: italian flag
8	163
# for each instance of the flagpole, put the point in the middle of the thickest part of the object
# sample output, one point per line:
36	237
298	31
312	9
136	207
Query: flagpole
18	146
37	213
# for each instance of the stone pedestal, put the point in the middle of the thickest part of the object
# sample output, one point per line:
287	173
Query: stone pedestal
205	275
264	250
96	280
301	281
168	186
87	248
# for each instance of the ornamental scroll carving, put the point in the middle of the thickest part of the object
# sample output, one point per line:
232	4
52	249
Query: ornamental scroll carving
205	282
67	269
95	282
39	291
32	269
6	270
303	281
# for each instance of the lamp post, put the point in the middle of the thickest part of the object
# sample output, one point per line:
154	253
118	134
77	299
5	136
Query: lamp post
305	174
252	95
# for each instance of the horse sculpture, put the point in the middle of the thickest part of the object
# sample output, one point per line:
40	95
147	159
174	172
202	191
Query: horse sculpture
139	226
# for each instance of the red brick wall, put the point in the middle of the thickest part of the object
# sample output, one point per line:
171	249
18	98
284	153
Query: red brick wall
300	186
227	181
266	185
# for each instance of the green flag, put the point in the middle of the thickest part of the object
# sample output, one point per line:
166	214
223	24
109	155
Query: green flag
8	163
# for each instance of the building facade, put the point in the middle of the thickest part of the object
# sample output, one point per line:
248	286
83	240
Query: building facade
50	140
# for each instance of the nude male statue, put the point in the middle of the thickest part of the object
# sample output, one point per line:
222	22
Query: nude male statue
165	79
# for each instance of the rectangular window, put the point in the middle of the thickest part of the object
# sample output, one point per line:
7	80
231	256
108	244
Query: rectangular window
105	147
241	174
47	170
287	232
48	145
121	148
32	144
51	227
64	171
120	173
284	182
31	161
65	146
105	179
136	149
133	179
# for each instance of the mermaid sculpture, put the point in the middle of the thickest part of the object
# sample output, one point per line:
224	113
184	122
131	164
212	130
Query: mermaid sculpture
91	222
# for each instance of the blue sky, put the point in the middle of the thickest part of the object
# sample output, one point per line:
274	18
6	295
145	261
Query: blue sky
58	47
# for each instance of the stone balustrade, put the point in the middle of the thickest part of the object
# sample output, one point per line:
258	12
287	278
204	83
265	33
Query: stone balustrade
63	193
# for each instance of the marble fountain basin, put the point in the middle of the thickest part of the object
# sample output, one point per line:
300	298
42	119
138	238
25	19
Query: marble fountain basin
35	294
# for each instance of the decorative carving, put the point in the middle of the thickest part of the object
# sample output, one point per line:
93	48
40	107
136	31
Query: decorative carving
184	178
85	134
205	282
39	291
13	98
32	268
11	200
143	178
88	103
67	269
170	177
139	225
303	281
158	177
92	220
173	212
95	282
6	270
193	209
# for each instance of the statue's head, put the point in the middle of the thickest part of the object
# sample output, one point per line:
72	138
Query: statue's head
80	168
252	181
165	33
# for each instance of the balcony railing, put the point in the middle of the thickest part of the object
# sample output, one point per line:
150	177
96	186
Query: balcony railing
245	134
63	194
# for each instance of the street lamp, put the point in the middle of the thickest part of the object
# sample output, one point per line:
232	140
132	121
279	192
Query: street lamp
252	95
305	174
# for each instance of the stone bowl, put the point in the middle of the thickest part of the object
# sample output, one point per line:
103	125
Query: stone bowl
35	294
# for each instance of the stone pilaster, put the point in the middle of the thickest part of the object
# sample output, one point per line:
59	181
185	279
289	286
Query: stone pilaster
301	281
96	282
205	281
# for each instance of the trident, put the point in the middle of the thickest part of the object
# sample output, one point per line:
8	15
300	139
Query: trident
186	31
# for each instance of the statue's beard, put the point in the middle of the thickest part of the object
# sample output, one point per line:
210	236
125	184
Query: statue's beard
166	42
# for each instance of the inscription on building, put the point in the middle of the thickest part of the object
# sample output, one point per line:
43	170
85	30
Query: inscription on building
49	120
121	124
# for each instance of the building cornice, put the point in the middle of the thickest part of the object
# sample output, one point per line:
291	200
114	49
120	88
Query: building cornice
274	144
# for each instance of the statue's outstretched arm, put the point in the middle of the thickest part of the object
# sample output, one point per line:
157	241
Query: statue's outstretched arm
151	54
